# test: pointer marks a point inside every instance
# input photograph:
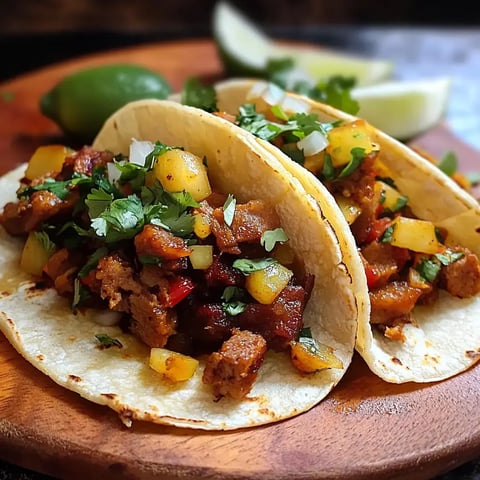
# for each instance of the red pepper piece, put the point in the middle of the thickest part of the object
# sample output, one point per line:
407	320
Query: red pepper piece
377	228
179	289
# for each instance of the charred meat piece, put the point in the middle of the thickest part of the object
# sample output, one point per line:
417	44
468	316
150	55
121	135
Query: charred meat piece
393	302
156	241
233	370
462	277
279	322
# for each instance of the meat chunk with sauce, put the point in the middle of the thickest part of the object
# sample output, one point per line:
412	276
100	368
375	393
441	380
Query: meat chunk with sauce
250	221
84	161
393	302
462	277
152	321
25	216
233	369
158	242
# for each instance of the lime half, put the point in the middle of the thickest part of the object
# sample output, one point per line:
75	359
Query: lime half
404	108
245	50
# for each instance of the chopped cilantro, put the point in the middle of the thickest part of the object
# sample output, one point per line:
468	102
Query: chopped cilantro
149	260
106	341
248	265
387	234
269	238
197	95
45	241
428	269
448	257
229	209
92	261
122	219
335	91
401	202
233	303
307	340
328	170
448	164
358	155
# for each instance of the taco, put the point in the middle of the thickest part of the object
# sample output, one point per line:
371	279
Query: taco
177	273
416	230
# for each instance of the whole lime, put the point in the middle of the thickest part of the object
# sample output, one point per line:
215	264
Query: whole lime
81	102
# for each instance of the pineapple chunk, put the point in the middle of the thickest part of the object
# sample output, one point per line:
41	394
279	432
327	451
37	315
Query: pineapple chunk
201	227
344	138
393	200
178	170
201	257
45	159
266	284
310	360
172	365
416	235
34	255
349	208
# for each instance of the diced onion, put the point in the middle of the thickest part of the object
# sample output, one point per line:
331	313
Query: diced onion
139	151
273	94
256	91
113	173
313	143
296	105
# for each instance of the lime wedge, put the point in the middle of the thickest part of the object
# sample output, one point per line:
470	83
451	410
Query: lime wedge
245	50
404	108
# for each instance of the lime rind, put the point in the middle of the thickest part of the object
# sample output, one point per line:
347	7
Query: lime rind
404	109
245	50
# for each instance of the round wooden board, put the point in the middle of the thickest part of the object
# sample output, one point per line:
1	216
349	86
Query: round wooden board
365	429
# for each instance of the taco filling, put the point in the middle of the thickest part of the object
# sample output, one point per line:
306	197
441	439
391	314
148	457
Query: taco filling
407	260
147	244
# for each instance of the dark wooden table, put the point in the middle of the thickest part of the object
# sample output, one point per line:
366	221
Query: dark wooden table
417	52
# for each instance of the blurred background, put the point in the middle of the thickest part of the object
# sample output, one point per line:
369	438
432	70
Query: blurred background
44	31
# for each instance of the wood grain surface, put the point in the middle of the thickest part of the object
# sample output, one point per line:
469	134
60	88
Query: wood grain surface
365	429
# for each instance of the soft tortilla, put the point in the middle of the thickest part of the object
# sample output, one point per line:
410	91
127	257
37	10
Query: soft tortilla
446	340
40	325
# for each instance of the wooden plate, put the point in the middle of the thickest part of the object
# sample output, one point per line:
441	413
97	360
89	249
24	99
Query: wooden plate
366	429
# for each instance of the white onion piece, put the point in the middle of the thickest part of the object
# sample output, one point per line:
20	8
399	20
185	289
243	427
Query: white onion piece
273	94
297	75
256	91
139	151
295	105
313	143
113	173
106	318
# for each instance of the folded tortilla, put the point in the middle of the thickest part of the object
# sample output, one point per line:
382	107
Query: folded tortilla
40	325
445	339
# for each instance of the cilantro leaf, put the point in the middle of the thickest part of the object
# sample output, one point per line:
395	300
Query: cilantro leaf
122	219
233	303
106	341
92	261
269	238
197	95
358	156
45	241
229	209
335	91
448	163
247	265
428	269
97	202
